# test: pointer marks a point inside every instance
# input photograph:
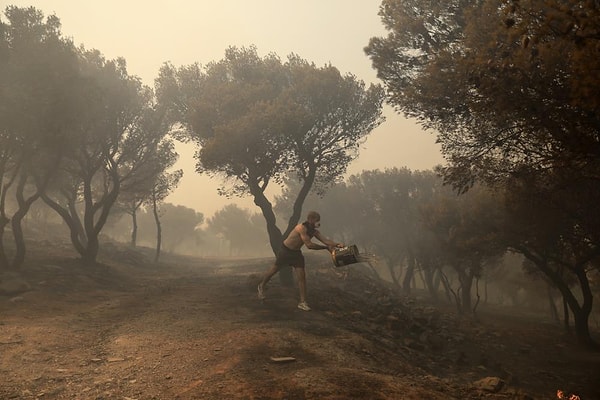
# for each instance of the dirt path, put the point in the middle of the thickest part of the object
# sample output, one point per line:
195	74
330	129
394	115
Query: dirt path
195	330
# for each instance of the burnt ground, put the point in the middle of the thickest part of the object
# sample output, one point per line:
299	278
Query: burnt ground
193	329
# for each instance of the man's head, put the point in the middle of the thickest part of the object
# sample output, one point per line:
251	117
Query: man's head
314	219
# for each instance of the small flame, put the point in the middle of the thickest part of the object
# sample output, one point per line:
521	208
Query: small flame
561	396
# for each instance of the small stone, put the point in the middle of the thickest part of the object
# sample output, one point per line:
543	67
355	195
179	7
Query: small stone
282	359
17	299
490	384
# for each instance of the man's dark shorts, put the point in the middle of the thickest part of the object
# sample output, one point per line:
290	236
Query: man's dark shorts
287	257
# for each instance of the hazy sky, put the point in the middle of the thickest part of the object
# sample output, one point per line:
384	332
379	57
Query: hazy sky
148	33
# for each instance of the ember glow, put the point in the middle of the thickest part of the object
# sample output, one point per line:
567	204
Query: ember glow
562	396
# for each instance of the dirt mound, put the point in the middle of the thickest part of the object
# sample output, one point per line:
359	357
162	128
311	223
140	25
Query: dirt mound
194	329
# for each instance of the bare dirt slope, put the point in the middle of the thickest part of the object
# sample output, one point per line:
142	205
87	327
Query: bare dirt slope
194	329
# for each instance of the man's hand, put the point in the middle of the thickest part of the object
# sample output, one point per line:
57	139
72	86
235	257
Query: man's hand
335	246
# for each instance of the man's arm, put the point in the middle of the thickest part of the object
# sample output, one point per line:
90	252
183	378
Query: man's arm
307	241
331	245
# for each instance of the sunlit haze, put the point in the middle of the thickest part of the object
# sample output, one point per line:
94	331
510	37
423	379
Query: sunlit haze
147	34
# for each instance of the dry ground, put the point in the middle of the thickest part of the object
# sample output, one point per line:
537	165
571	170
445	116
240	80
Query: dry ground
194	329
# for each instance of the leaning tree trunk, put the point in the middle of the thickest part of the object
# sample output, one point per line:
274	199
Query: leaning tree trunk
275	237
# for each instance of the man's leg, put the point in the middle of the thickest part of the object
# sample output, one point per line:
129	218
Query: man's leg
301	276
261	286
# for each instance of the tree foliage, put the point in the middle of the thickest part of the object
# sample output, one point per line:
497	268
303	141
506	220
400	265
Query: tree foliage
512	104
504	99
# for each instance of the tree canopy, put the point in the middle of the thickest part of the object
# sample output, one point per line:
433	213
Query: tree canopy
257	120
510	98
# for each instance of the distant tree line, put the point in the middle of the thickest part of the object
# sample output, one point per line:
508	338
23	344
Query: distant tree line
231	231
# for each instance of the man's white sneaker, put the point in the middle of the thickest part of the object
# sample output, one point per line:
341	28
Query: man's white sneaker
303	306
261	292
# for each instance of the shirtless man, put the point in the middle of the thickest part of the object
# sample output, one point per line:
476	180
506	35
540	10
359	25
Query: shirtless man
290	254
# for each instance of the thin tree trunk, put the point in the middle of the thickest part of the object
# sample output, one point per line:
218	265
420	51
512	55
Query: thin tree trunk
134	228
429	273
392	269
158	228
93	225
408	276
72	208
420	274
443	279
485	289
466	282
477	296
3	257
20	248
4	220
299	202
17	229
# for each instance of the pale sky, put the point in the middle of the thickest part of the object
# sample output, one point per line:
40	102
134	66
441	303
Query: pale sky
148	33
